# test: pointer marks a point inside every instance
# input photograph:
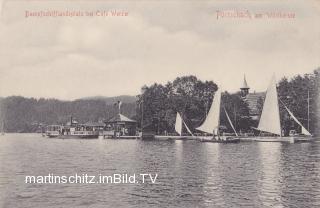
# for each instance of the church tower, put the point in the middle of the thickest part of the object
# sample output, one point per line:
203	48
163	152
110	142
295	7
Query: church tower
245	88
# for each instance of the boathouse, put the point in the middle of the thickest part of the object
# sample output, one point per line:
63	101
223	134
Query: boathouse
121	125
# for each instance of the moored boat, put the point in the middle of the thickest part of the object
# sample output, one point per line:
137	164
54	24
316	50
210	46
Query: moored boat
270	120
212	124
73	130
82	134
179	125
81	131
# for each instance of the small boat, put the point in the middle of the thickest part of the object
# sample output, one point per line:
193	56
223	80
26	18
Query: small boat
212	124
178	128
270	120
179	125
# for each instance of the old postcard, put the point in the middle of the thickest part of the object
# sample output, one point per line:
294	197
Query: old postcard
173	103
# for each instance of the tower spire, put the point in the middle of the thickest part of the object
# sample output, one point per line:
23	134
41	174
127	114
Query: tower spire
244	88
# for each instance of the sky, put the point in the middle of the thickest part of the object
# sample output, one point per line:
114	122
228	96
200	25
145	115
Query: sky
73	57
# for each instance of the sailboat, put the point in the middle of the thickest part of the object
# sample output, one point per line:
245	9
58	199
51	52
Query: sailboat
212	123
179	125
270	119
178	128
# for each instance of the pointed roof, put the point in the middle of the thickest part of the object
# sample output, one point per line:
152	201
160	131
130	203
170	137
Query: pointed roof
245	84
121	118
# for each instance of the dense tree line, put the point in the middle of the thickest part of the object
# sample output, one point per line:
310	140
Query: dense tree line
190	97
300	94
20	114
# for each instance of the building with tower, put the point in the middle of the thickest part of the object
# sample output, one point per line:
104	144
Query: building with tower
244	88
254	100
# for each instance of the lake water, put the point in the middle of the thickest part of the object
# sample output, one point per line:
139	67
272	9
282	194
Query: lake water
190	173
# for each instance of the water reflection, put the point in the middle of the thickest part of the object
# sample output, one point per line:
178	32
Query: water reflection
270	178
213	183
301	178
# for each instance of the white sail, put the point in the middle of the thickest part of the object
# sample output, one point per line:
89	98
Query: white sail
178	126
212	122
303	130
270	116
230	122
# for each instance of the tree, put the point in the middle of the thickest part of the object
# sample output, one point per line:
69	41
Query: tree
238	112
190	97
299	94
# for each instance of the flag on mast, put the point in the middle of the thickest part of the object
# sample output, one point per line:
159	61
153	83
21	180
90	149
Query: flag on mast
119	103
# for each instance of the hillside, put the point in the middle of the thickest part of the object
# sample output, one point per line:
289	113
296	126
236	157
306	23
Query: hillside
22	114
112	100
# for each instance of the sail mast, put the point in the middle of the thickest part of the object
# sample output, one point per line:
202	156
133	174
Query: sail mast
270	116
187	127
303	130
230	121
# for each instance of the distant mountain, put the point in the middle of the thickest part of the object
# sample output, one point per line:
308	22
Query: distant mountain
112	100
